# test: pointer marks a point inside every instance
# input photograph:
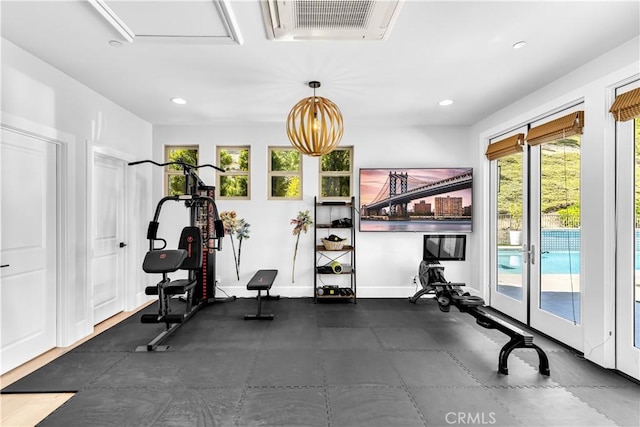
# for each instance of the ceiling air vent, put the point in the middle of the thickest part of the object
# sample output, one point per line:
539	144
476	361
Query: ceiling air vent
329	19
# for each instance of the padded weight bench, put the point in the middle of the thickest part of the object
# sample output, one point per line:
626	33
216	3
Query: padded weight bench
262	281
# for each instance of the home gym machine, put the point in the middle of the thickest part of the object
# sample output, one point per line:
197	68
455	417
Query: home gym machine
431	275
196	254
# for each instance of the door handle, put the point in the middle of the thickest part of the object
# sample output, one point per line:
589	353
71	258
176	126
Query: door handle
5	265
525	253
528	255
123	244
532	254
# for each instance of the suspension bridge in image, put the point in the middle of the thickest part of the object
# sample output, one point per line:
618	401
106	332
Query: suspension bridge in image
400	189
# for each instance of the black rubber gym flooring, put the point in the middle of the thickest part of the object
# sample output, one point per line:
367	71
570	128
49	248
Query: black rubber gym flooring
380	362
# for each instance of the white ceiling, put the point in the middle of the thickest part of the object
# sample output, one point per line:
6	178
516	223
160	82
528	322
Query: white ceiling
460	50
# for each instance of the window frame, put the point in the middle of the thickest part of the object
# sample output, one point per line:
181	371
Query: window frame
271	173
246	173
167	172
333	174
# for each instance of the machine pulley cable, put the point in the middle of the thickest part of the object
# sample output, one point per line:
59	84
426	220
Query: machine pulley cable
180	163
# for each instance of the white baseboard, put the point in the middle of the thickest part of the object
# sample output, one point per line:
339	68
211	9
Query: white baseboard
306	291
386	292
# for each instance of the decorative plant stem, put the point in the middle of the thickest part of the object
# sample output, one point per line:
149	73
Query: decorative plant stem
239	227
242	233
301	223
295	252
235	259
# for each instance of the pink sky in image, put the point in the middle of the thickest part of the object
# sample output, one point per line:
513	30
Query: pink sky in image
373	180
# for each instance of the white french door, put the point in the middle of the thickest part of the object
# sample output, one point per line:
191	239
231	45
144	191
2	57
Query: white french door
108	231
536	236
555	240
28	248
628	244
510	268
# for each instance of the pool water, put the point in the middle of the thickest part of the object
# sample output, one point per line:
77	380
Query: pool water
563	304
551	262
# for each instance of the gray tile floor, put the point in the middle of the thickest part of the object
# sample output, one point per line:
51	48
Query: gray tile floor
382	362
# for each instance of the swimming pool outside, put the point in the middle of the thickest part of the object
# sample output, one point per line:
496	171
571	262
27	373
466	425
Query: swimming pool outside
551	262
560	281
559	265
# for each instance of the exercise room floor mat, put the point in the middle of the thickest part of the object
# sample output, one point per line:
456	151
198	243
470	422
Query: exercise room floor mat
380	362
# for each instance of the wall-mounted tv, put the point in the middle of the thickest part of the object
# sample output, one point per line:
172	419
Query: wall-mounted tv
431	200
444	247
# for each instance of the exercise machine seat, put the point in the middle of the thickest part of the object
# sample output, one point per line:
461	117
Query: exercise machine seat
191	242
164	261
188	256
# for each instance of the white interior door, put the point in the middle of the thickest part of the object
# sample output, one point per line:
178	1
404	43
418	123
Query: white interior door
108	230
28	248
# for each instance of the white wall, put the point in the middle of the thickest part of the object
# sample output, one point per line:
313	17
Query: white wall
38	96
593	84
386	262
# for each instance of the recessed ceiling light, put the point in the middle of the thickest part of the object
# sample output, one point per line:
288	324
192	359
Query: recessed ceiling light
115	43
445	102
178	101
519	45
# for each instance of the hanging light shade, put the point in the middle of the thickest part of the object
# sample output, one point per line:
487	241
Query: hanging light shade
314	125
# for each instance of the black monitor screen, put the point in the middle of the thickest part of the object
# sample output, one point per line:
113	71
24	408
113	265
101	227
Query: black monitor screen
444	247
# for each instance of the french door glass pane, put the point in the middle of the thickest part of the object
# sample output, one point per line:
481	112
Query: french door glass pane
637	235
560	228
509	222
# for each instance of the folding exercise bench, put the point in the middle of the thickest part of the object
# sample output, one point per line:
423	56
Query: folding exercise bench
188	257
262	281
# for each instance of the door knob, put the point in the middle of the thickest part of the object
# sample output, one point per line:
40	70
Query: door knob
123	244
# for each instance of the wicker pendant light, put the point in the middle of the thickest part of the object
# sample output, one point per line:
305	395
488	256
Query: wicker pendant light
314	125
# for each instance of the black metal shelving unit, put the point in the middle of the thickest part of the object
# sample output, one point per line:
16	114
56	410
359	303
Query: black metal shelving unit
329	218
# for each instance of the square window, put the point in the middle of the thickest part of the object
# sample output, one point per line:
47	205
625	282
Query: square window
336	174
285	173
174	177
234	182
